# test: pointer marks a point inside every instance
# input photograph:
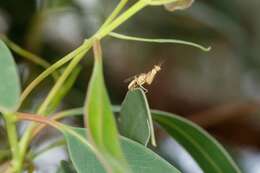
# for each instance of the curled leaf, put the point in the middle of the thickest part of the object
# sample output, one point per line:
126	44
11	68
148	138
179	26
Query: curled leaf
179	5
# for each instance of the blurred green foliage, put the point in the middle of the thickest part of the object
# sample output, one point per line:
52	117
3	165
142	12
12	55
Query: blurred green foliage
194	82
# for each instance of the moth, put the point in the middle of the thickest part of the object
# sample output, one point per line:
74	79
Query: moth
143	78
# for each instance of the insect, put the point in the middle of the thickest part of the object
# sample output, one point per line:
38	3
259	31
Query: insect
143	78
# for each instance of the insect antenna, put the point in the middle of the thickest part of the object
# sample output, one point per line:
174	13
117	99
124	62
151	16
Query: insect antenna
161	62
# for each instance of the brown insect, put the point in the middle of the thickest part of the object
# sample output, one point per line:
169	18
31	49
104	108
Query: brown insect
143	78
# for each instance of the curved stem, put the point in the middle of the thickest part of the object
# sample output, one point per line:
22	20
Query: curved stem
26	54
58	116
49	71
60	82
149	40
39	119
64	114
99	35
24	142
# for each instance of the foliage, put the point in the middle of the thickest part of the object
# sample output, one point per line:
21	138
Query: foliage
100	146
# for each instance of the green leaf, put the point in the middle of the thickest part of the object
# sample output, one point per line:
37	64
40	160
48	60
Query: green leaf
66	167
140	158
100	120
135	118
9	81
208	153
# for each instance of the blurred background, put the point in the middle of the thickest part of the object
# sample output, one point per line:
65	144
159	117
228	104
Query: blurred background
219	90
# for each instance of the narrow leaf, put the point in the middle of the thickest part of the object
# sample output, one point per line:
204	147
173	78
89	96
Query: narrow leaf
100	119
135	118
208	153
140	158
149	40
9	81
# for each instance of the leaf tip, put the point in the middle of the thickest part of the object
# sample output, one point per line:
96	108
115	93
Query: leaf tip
207	49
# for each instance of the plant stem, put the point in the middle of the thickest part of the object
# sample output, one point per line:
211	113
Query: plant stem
13	140
76	56
115	12
99	35
58	116
39	119
26	54
148	40
60	82
122	18
50	70
27	134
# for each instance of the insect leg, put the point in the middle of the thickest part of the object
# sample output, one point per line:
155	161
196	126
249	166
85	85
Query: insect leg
145	90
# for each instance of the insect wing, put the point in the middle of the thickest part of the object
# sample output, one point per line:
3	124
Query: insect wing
129	79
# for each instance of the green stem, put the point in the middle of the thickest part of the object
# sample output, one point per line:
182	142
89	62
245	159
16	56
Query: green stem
68	113
148	40
121	19
161	2
80	51
60	82
26	54
13	141
66	87
100	34
50	70
116	11
27	135
39	119
57	116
